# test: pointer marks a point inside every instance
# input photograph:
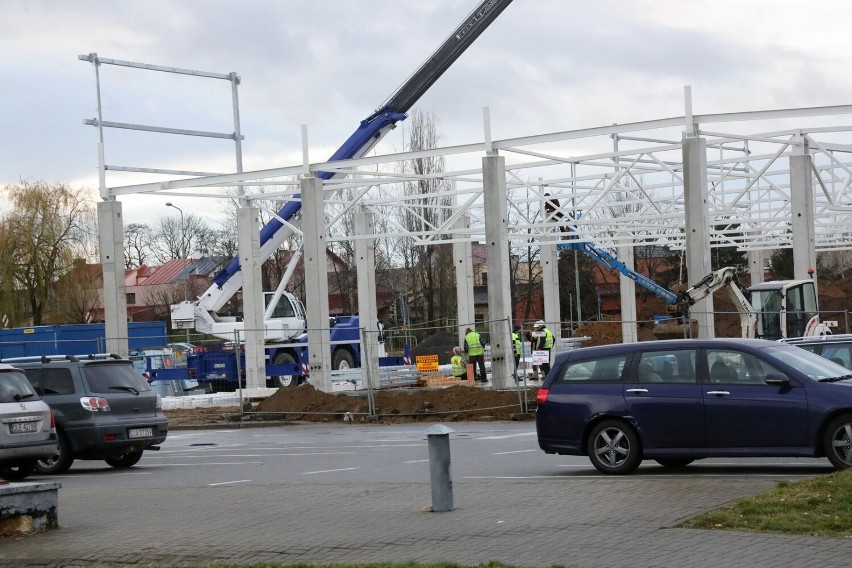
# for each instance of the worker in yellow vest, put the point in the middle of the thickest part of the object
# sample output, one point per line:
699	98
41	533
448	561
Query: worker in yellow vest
542	340
516	342
458	365
476	353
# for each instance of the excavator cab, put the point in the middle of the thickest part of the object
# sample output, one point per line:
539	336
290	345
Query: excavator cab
786	308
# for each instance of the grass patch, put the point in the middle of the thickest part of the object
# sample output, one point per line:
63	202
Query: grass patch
820	506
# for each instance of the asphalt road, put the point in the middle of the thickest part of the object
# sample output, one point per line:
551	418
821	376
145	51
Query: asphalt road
361	493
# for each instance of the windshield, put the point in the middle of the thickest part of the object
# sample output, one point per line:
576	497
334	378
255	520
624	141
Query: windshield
814	366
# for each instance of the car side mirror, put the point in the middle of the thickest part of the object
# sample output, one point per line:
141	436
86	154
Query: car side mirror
777	379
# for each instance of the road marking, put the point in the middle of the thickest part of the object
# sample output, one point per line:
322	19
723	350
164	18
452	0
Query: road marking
507	436
329	470
207	463
228	482
416	461
515	452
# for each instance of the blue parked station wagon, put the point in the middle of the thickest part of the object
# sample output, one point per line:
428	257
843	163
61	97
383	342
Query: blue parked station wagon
683	400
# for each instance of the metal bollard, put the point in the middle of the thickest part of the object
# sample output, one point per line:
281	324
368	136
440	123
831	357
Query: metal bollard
439	467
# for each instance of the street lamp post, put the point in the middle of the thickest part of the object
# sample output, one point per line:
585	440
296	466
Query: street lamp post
182	246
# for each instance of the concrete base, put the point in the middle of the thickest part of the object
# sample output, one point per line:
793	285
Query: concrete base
28	507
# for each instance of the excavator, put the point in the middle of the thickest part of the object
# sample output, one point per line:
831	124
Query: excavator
780	309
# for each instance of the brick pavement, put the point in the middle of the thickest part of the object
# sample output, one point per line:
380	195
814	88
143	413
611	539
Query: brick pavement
587	522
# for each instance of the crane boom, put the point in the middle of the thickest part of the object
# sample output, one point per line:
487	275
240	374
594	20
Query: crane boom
372	129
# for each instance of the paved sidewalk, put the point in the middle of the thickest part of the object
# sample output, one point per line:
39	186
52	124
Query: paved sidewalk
585	522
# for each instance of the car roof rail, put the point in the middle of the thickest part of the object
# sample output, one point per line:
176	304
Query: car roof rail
98	356
39	358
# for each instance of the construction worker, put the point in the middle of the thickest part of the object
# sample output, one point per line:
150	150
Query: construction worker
476	354
458	365
516	342
542	340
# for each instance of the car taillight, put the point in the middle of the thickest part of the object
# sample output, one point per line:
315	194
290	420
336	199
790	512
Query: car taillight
95	403
541	396
52	421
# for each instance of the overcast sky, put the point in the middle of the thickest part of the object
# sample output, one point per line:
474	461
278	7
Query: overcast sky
543	66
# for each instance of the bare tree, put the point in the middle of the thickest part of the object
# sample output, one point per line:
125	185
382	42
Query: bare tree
428	206
138	242
173	239
48	227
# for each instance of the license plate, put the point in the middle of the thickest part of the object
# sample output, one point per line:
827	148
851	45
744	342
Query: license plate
140	432
21	427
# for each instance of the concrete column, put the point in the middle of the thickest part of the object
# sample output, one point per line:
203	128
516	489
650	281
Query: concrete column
697	227
111	240
463	262
627	289
316	283
755	266
802	210
254	332
497	262
365	253
550	290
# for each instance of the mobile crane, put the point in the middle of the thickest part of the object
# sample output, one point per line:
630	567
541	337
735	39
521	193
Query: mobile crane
770	310
284	318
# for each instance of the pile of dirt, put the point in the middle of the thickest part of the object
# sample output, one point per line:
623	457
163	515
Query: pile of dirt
305	403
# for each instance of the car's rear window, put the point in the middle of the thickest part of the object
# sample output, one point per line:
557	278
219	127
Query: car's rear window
598	370
111	378
14	387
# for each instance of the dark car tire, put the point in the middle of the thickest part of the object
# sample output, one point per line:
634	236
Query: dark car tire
614	447
674	462
838	442
284	381
342	359
127	458
17	471
60	462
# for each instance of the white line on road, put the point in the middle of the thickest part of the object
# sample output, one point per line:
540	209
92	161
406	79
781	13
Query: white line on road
329	470
416	461
228	482
507	436
515	452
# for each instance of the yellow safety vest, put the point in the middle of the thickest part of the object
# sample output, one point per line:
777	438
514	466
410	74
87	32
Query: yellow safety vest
459	368
474	345
548	339
516	339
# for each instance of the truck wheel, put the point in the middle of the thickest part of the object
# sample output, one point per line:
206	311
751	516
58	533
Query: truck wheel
343	360
60	462
127	458
284	381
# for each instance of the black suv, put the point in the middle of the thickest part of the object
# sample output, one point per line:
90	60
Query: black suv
105	410
838	347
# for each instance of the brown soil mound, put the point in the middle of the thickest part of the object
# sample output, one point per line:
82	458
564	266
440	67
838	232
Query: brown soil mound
305	403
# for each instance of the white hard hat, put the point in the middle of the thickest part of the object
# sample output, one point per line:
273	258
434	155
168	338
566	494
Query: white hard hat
539	323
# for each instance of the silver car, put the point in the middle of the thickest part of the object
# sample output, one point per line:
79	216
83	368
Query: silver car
27	426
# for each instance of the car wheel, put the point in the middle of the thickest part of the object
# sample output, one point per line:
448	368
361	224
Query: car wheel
838	442
613	447
17	471
343	360
127	458
674	462
284	381
60	462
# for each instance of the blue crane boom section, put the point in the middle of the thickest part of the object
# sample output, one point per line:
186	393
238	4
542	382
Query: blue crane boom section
376	125
608	260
